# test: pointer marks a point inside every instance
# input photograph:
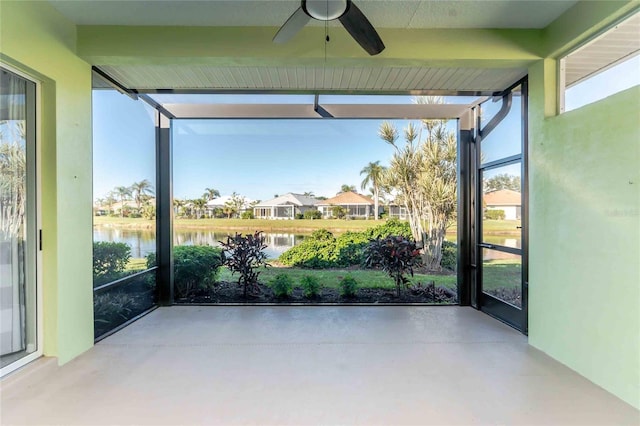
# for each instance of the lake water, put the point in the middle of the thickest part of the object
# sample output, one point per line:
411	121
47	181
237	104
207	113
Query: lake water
143	242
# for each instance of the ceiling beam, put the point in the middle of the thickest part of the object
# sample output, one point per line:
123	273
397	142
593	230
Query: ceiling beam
252	46
345	111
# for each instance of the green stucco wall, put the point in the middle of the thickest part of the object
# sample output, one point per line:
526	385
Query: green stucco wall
35	38
584	274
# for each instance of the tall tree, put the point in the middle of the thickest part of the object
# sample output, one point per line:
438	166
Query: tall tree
178	205
423	175
198	206
139	190
238	201
347	188
210	194
123	193
109	201
374	175
502	181
229	208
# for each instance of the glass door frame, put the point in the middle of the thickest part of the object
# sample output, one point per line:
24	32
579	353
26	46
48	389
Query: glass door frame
501	310
32	211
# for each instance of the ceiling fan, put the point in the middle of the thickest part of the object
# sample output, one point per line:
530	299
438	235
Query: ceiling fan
346	11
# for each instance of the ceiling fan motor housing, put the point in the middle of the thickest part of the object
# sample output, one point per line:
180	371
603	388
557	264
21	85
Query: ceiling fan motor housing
325	10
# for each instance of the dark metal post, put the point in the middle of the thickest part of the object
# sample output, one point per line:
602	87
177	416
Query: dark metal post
525	203
465	207
164	210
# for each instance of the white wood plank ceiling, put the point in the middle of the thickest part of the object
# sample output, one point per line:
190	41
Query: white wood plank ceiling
388	79
407	14
622	41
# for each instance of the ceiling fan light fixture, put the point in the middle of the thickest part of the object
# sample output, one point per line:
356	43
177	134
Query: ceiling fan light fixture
325	10
350	16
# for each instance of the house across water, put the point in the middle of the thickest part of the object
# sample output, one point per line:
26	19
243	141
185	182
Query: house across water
286	206
508	201
354	206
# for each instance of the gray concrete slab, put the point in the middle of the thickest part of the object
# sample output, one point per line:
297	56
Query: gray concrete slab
306	366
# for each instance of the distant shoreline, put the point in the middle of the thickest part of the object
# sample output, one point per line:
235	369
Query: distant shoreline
302	226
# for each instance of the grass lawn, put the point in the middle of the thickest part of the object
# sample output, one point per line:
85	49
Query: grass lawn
500	227
136	264
330	278
496	273
501	273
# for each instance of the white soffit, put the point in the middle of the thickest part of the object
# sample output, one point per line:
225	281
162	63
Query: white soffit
389	79
615	45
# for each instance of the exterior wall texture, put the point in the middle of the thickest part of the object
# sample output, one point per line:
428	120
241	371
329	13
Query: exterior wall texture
584	274
36	39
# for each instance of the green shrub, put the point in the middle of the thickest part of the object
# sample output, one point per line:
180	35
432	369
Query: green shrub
312	214
494	214
449	256
348	286
339	212
149	212
299	216
282	286
390	227
135	215
322	235
349	248
311	286
194	268
323	250
109	259
218	213
109	305
247	215
315	251
151	260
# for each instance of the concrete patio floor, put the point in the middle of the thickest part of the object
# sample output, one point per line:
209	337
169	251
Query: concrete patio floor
310	365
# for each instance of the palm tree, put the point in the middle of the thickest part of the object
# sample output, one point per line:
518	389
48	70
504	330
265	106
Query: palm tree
374	174
229	208
347	188
139	190
422	174
198	205
309	194
109	201
210	194
123	193
177	205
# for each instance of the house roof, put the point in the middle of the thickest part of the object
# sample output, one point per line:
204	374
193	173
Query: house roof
289	199
503	197
346	198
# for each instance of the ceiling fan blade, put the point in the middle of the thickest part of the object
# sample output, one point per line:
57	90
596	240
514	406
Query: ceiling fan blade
361	30
290	28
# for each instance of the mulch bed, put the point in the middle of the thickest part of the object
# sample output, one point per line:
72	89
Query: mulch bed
230	292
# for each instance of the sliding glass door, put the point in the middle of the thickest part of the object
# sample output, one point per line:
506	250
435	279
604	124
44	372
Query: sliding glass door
18	311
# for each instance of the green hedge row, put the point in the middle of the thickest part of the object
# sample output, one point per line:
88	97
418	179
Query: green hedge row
323	250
